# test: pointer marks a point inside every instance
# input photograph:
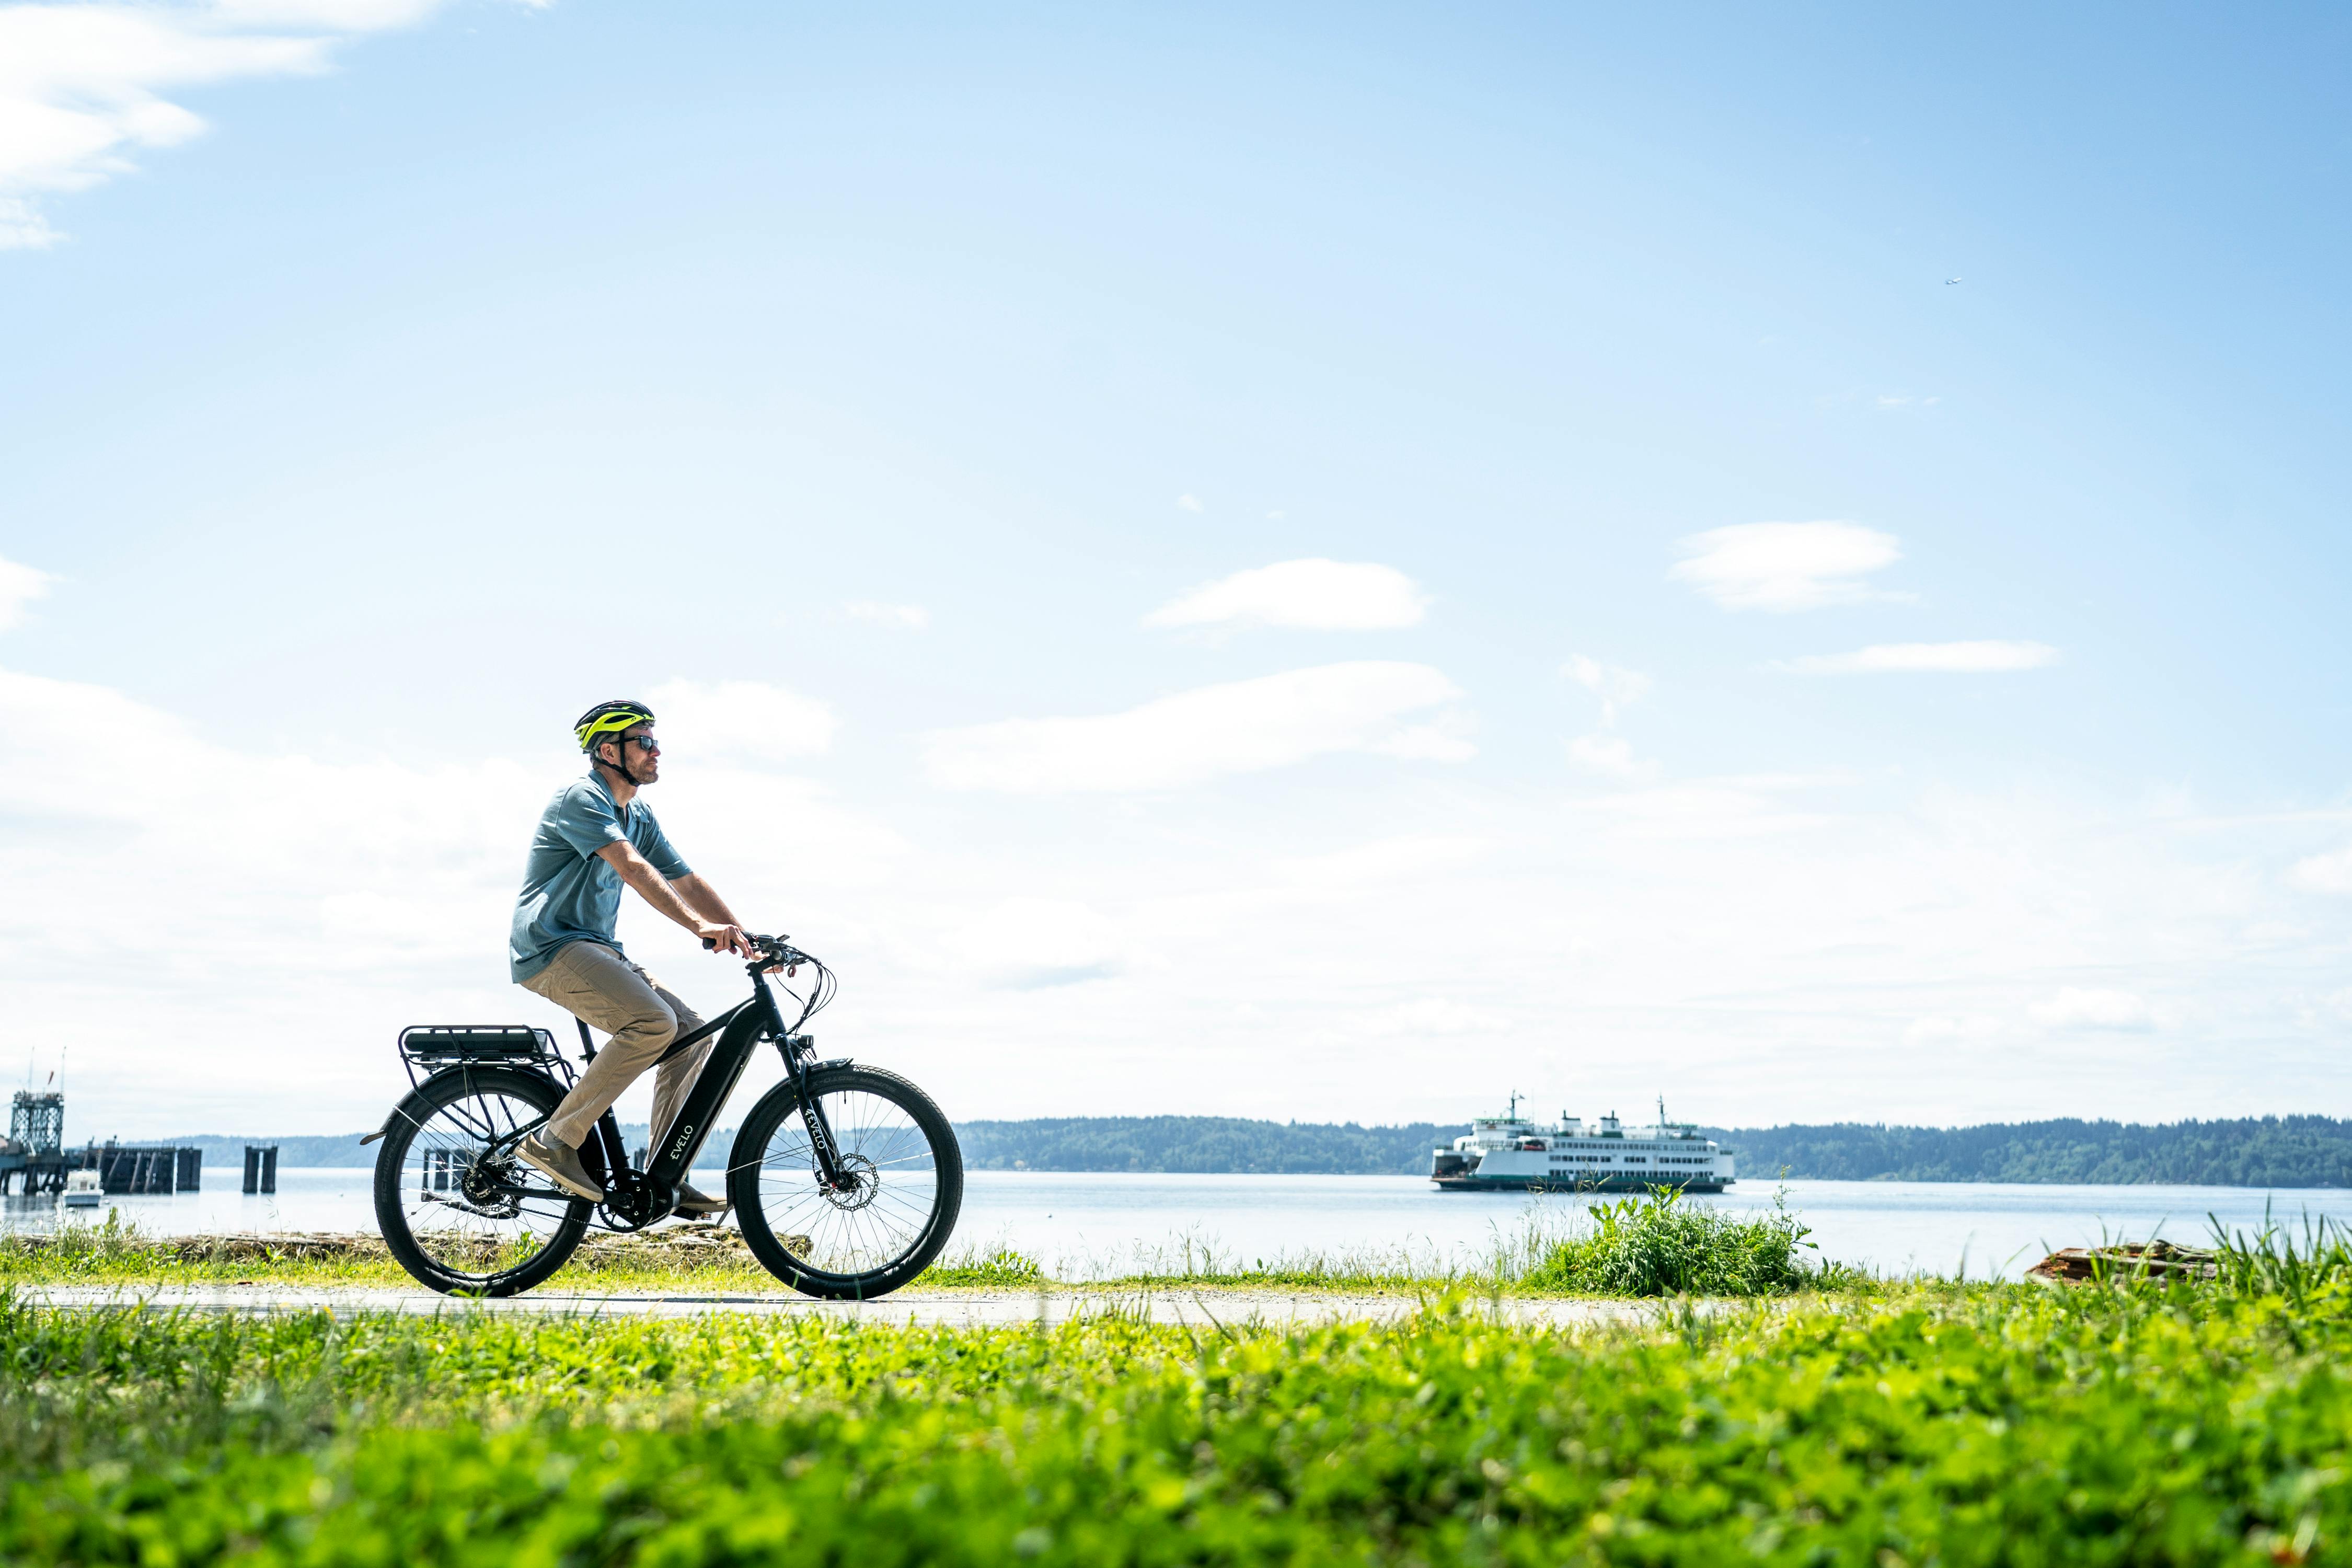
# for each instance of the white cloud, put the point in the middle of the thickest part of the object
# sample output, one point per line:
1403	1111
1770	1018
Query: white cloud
1221	954
2328	873
1439	1016
1610	757
1736	807
344	15
19	585
747	722
1241	726
82	86
907	617
1933	1033
22	226
1386	860
1785	566
1617	687
298	912
2090	1009
1189	503
1446	740
1028	945
1940	657
1318	594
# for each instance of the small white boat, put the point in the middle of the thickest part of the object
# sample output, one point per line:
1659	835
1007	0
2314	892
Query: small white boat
83	1190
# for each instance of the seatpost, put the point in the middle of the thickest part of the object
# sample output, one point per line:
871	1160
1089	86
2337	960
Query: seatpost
587	1046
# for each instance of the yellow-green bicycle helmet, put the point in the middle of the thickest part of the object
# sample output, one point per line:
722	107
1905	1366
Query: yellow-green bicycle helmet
608	719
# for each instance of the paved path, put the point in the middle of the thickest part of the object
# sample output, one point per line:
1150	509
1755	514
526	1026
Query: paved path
962	1308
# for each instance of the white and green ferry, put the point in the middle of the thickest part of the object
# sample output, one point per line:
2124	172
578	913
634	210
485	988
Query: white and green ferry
1514	1153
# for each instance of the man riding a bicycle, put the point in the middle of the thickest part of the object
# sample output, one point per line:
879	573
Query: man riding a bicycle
595	835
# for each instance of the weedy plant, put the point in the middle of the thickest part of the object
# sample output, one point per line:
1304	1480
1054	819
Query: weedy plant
996	1265
2273	1261
1658	1245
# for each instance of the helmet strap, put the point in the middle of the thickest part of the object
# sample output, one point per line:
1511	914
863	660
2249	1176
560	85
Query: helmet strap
620	750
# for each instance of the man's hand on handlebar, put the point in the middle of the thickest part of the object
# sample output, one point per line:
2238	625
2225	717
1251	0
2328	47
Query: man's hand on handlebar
736	939
721	938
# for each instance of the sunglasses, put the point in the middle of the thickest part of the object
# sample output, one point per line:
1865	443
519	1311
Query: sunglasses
647	741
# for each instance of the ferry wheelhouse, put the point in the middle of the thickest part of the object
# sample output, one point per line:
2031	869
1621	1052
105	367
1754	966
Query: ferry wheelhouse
1514	1153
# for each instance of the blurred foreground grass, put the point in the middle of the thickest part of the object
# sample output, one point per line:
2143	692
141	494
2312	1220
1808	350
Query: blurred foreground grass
1889	1425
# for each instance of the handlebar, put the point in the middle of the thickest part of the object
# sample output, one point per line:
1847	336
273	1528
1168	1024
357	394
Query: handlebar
768	951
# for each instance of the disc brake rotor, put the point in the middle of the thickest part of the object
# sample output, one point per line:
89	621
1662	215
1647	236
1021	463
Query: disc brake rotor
863	1183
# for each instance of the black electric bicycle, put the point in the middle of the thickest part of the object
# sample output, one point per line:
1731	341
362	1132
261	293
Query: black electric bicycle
846	1180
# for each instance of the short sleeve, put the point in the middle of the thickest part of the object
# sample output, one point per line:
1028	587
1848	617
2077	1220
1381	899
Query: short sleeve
584	820
655	845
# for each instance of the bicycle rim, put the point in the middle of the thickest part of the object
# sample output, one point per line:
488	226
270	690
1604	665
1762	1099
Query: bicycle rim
456	1189
893	1205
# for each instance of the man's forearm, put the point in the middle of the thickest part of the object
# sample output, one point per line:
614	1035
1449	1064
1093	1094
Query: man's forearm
704	899
658	892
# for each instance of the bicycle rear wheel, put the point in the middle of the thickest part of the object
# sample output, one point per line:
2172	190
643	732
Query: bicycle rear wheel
887	1224
458	1210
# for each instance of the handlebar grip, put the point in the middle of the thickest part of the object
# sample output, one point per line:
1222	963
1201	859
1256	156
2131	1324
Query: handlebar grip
771	944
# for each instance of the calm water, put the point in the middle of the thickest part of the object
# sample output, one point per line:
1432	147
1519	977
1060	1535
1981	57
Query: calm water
1087	1224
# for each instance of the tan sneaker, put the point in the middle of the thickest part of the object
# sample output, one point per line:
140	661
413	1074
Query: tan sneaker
560	1161
696	1205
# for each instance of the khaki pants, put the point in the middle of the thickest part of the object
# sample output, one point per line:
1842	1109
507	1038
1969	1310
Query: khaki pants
594	983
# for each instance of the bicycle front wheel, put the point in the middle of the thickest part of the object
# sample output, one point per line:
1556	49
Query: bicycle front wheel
894	1211
458	1210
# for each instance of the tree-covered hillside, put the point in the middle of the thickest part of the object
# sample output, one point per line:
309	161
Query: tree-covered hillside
1204	1144
2266	1152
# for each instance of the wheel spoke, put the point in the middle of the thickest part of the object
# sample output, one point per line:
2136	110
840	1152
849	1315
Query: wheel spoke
891	1205
476	1215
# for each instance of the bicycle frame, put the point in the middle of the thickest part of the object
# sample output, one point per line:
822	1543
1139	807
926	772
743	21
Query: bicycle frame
645	1198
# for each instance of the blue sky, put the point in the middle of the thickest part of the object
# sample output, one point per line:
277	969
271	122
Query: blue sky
391	380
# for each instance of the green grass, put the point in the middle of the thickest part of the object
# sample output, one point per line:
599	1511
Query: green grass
1953	1425
990	1266
1639	1246
115	1253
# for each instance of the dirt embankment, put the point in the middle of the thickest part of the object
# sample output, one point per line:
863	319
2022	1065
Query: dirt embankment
681	1246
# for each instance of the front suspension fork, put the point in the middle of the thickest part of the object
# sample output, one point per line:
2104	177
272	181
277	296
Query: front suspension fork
829	1168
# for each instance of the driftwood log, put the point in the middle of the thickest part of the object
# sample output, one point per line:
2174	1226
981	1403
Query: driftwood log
2110	1265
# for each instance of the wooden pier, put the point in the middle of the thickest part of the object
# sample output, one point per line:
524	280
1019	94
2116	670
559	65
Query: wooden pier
35	1160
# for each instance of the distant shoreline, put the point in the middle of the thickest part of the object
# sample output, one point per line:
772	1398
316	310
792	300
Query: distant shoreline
2254	1151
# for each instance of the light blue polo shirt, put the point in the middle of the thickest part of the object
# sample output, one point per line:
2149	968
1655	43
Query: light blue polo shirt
568	892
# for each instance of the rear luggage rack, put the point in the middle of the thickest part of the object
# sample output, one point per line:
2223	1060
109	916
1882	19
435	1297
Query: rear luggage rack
433	1046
